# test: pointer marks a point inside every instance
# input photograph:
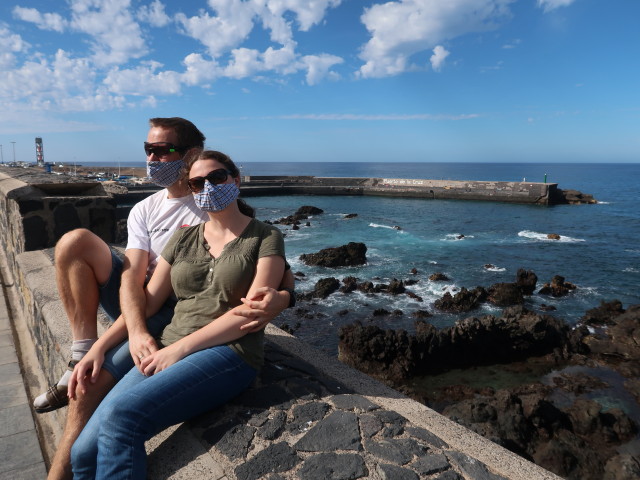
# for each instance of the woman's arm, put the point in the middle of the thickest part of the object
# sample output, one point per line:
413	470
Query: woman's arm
223	329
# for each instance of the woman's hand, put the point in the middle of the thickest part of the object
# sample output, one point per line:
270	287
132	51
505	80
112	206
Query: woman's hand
161	359
90	364
264	305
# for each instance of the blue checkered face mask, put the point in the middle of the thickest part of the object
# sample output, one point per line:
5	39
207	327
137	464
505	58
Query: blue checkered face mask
214	198
164	174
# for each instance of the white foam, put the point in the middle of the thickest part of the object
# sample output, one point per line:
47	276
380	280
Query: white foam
543	237
494	268
456	237
390	227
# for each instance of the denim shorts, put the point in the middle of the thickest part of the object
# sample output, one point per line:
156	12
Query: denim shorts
118	361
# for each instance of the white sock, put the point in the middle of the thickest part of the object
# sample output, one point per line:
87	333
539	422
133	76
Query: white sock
79	349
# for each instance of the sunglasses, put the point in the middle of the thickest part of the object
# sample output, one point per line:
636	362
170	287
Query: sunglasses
215	177
161	149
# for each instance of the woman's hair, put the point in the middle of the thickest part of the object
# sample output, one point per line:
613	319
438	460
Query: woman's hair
225	160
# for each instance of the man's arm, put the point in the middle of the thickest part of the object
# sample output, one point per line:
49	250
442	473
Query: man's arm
266	303
133	303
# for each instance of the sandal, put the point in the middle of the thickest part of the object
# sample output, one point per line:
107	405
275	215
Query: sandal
56	395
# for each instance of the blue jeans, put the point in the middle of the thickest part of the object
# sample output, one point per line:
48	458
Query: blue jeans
111	446
118	361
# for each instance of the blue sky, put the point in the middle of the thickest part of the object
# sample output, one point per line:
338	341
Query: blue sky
325	80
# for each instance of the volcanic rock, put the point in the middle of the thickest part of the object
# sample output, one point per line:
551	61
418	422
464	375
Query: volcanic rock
505	294
463	301
353	253
526	280
557	288
309	210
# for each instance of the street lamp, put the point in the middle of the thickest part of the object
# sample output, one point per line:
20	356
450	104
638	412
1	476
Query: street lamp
1	154
14	151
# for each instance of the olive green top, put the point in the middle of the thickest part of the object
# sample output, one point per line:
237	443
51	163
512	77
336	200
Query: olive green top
208	287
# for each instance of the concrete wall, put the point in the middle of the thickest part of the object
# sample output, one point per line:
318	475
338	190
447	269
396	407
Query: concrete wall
39	209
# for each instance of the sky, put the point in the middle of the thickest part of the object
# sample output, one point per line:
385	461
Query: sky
324	80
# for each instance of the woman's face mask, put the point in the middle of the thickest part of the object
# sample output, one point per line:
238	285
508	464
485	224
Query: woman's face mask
164	174
214	198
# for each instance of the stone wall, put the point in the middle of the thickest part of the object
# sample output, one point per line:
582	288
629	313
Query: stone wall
40	208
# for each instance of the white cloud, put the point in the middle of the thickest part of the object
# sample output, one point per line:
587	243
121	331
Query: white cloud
44	21
401	29
154	14
549	5
319	67
116	36
143	80
223	32
437	59
115	70
10	44
199	70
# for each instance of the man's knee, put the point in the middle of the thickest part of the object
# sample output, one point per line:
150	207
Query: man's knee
84	246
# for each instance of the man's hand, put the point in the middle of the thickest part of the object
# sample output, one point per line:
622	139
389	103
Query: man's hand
263	306
141	345
85	370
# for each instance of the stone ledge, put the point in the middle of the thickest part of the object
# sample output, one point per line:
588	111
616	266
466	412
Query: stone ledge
307	416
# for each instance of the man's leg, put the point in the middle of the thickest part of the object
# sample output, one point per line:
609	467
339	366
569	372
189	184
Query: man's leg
83	262
78	414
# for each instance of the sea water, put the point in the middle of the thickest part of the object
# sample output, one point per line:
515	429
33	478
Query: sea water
472	243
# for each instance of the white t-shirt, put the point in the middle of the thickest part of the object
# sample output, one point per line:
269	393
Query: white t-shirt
153	220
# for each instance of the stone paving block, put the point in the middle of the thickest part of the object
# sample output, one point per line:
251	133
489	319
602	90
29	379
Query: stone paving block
10	374
15	419
8	355
32	472
6	339
19	451
10	396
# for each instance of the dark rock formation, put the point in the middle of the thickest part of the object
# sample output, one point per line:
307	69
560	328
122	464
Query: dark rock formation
394	355
309	210
557	288
351	215
603	314
526	280
505	294
463	301
353	253
323	288
438	277
575	197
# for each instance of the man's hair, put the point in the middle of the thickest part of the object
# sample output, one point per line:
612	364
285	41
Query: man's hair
188	134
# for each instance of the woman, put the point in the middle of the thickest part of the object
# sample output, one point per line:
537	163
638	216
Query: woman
206	358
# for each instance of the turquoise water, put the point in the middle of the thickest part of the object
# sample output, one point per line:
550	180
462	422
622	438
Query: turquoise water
598	251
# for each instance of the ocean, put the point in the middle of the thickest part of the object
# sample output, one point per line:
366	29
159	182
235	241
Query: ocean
598	250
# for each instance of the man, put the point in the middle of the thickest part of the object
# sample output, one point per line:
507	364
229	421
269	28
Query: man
88	273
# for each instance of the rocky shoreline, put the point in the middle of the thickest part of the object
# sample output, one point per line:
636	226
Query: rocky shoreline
554	420
564	397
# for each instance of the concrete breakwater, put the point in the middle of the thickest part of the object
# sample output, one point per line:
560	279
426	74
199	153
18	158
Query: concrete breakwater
492	191
512	192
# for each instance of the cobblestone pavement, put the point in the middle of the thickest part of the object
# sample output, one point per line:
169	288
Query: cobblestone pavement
297	423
